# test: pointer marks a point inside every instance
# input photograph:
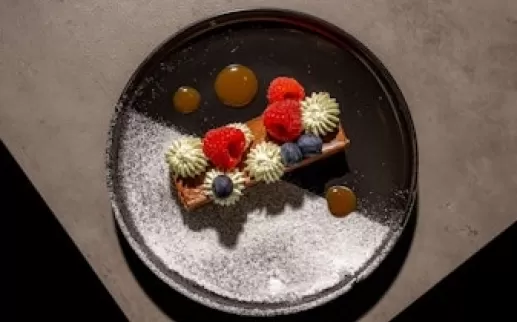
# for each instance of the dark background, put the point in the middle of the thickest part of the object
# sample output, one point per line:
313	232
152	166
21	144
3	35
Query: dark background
52	280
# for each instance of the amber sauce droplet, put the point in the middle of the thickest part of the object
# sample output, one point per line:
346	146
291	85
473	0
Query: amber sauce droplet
186	99
341	201
236	85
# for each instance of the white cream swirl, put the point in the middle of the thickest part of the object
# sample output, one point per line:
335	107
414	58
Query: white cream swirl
186	158
320	114
264	162
237	179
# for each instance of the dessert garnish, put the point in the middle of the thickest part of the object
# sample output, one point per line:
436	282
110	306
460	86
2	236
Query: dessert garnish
283	120
236	85
341	200
186	99
264	162
245	129
289	134
310	144
291	153
225	188
224	147
192	194
320	114
186	158
285	88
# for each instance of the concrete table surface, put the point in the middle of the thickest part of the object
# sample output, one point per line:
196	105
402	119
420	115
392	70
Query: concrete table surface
64	63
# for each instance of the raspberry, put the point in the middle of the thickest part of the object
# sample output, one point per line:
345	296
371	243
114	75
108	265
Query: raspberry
283	120
282	88
224	147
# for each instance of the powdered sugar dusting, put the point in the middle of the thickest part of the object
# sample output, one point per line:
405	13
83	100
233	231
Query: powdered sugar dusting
279	243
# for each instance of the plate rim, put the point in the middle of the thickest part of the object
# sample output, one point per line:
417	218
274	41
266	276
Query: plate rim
230	18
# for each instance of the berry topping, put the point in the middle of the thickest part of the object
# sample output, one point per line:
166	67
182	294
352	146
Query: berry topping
225	188
283	120
291	153
224	147
320	114
282	88
185	157
245	129
310	144
222	186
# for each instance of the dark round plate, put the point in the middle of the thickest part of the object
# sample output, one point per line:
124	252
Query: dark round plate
279	250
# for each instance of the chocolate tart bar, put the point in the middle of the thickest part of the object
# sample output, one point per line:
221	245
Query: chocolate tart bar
190	190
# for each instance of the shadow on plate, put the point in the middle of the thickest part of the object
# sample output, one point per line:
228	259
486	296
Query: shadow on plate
349	307
229	222
311	182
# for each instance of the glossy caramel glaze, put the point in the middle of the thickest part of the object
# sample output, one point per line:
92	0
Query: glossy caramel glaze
341	200
186	99
236	85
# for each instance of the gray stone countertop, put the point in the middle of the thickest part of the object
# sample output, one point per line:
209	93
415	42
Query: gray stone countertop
64	63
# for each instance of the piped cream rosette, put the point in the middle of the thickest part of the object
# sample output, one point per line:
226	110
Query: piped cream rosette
264	162
237	182
186	158
320	114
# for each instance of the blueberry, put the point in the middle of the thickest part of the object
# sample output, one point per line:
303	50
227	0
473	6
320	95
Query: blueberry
222	186
290	153
310	144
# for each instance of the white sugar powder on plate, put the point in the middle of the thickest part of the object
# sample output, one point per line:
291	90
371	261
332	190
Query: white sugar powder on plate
278	243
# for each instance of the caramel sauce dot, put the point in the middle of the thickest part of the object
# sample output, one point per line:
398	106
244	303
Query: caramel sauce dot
236	85
341	201
186	99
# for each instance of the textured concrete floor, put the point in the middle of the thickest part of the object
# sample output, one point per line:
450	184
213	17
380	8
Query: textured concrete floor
63	65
